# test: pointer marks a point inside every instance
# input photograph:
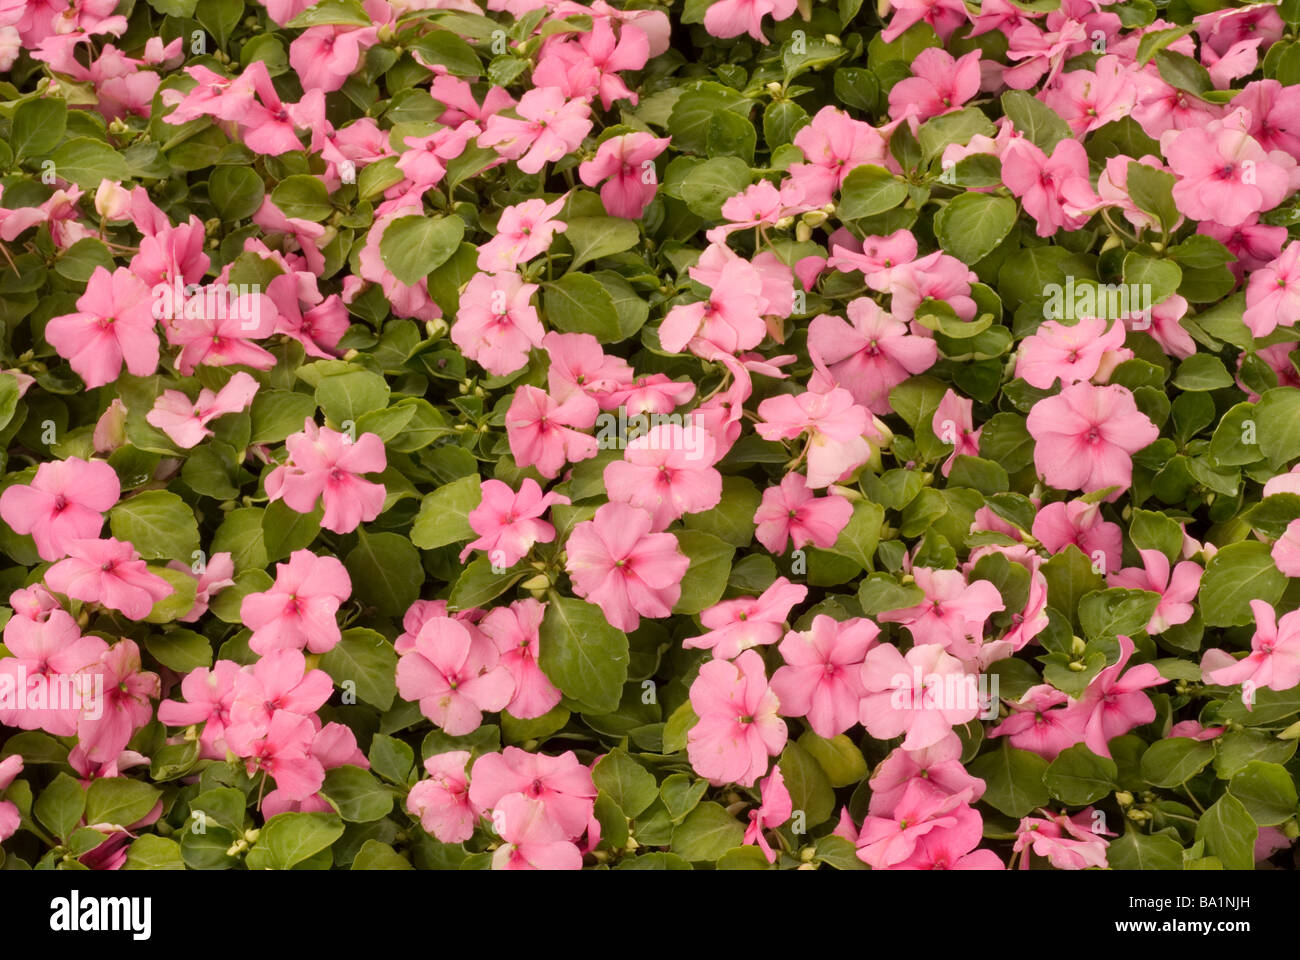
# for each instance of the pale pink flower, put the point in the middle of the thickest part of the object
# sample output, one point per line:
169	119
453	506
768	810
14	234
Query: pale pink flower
1086	435
497	324
186	421
298	609
922	695
454	672
327	466
736	625
64	502
442	801
791	512
738	727
1177	589
667	471
822	676
509	523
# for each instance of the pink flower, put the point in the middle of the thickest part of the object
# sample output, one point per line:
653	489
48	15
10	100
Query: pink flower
1223	173
496	324
516	630
871	353
209	696
550	128
278	681
532	840
736	625
1177	591
47	644
888	840
626	163
578	365
114	325
442	801
561	784
509	523
283	750
217	574
923	695
952	423
523	231
792	512
64	502
455	674
731	18
326	465
10	818
1274	658
738	727
1059	524
186	421
667	471
1273	294
939	84
540	430
944	16
835	425
1089	99
938	765
1069	843
774	809
1112	705
1070	353
822	675
953	611
1085	437
620	566
1041	182
324	57
833	144
298	610
108	572
125	703
1286	551
1041	722
730	320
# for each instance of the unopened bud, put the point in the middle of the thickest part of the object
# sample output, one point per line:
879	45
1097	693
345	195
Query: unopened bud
540	582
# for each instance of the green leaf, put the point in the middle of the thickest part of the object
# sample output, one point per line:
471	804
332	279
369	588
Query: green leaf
331	12
1041	124
1175	760
413	247
87	163
629	784
60	806
1235	575
180	650
1153	41
444	48
580	303
1116	612
1277	419
346	396
38	126
680	794
869	190
1070	575
1152	192
152	852
1141	851
480	583
1013	780
809	786
1229	833
158	524
236	192
1201	371
839	757
1267	791
359	797
707	575
596	237
582	654
288	839
707	833
303	197
119	801
444	514
861	534
376	855
366	659
713	182
385	571
972	224
1079	777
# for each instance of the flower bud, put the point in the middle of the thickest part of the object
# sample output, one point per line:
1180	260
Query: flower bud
112	201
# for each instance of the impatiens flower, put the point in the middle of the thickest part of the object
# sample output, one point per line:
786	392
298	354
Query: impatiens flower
1177	589
209	696
65	502
939	84
1223	173
280	680
10	817
773	810
618	564
516	630
885	841
442	801
1070	353
114	325
1080	523
729	320
738	727
731	18
1041	723
298	610
667	471
327	466
952	610
1112	705
822	675
1274	658
186	421
833	144
532	840
509	523
283	750
938	766
125	704
1069	843
871	353
1086	435
736	625
549	128
1042	182
791	512
944	16
541	431
454	672
626	164
108	572
835	425
1286	551
1273	294
496	324
523	231
47	645
952	423
561	783
214	576
923	694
